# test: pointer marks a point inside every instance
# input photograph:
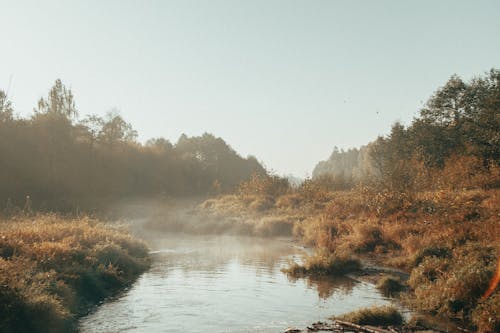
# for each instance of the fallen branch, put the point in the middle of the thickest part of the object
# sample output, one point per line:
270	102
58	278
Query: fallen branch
369	329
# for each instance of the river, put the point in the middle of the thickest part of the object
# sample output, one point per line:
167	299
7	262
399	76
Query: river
225	284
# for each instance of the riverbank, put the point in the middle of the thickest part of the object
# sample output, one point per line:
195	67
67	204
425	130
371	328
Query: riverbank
446	241
54	269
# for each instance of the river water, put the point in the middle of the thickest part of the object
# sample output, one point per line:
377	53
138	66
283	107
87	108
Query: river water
225	284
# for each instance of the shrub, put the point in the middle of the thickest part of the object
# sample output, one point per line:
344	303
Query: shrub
324	263
52	269
453	286
376	316
274	226
438	252
390	285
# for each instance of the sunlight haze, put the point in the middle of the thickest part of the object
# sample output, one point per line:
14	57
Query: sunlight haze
285	81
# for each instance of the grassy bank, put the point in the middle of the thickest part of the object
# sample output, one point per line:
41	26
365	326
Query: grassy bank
375	316
446	239
53	269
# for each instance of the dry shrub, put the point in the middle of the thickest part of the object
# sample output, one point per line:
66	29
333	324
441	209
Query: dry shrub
486	316
26	301
226	204
316	230
288	202
467	172
315	191
454	285
260	203
375	316
266	185
390	285
369	238
52	269
324	263
274	226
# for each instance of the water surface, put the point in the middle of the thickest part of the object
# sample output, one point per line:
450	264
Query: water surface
225	284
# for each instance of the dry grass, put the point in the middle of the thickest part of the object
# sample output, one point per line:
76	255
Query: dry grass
323	263
390	285
52	269
375	316
437	234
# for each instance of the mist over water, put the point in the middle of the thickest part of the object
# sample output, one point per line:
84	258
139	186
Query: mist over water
225	284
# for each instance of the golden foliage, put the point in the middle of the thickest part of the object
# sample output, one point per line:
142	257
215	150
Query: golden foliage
52	268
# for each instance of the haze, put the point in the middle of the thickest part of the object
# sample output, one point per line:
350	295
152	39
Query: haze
282	80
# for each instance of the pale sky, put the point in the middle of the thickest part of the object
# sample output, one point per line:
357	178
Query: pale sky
285	81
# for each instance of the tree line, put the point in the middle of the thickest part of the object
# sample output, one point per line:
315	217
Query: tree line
458	129
60	159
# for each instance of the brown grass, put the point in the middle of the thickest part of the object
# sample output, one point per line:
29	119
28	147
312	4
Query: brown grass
323	263
375	316
439	235
52	269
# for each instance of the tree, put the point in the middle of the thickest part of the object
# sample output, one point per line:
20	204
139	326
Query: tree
6	111
115	129
59	101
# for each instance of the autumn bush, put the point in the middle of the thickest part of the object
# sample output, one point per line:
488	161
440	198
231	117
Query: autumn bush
323	263
52	269
390	285
375	316
453	284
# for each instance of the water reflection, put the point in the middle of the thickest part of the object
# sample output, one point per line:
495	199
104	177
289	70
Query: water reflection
225	284
326	286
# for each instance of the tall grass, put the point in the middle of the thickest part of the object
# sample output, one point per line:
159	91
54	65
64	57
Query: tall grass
52	269
445	234
375	316
323	263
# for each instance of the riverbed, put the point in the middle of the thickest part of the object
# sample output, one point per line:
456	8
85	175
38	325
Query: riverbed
226	284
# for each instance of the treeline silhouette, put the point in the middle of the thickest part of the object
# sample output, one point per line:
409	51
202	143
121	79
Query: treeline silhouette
456	132
62	161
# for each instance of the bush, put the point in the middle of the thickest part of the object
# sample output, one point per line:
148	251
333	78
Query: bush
324	263
376	316
52	269
274	226
438	252
454	285
390	285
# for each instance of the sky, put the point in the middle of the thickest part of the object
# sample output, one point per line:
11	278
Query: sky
285	81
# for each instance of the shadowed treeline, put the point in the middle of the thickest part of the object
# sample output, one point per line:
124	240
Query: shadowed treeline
60	160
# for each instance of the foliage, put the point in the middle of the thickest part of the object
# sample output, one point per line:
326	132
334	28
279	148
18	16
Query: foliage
375	316
52	269
454	285
390	285
263	184
423	198
63	162
460	122
324	263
